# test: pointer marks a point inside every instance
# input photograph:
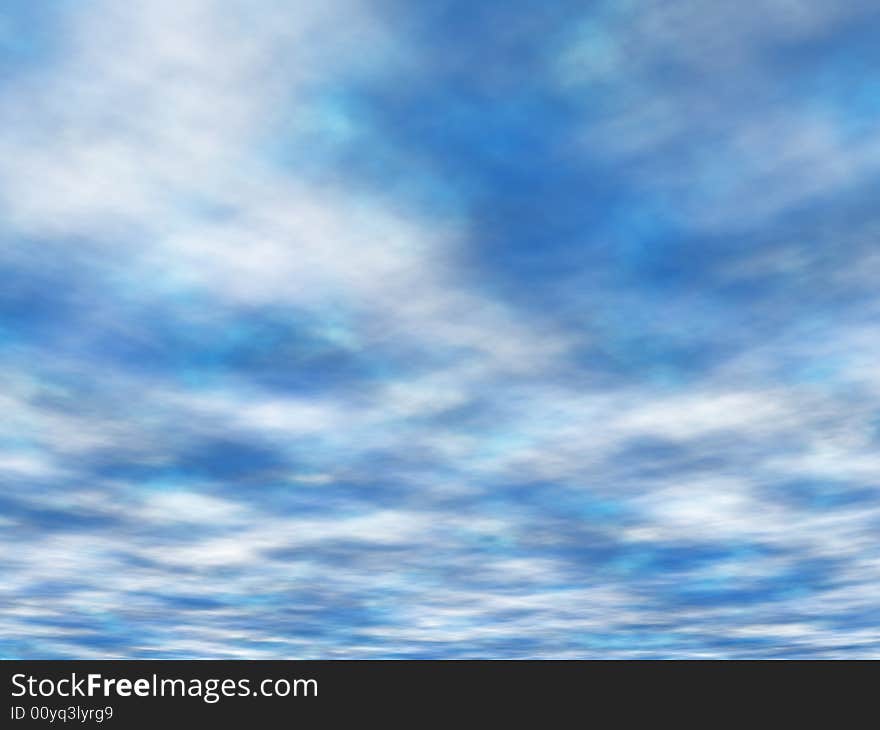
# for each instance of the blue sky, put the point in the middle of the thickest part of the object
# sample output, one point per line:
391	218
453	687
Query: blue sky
439	330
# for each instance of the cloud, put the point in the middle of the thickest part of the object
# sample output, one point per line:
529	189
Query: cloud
366	339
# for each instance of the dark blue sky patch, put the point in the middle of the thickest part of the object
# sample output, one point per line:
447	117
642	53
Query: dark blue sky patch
822	495
27	515
31	34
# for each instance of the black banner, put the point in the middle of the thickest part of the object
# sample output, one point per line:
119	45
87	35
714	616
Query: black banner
170	694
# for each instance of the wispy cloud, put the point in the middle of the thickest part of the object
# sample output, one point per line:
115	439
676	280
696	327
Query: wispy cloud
496	331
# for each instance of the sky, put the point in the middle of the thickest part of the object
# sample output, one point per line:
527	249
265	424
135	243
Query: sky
443	330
